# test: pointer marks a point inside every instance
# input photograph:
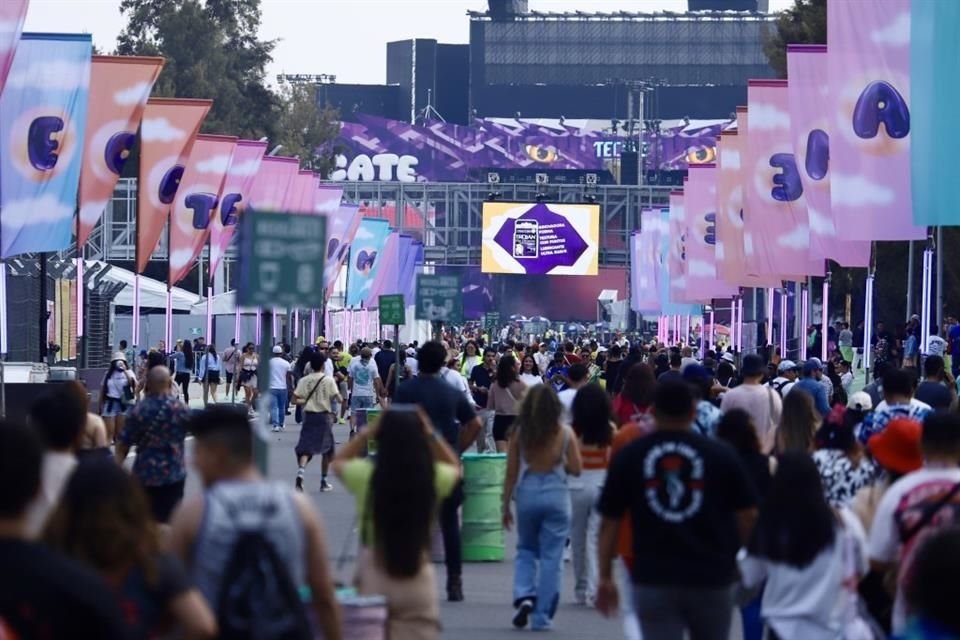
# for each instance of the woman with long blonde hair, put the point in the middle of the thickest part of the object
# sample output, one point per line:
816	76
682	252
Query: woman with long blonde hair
799	422
540	455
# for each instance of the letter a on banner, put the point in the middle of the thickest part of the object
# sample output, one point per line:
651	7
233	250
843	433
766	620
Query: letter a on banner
119	89
236	189
43	115
869	67
169	128
197	201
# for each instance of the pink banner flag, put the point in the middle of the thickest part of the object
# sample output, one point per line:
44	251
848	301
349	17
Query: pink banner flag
327	199
274	179
119	89
301	195
236	189
810	125
169	127
775	209
341	228
677	258
700	204
645	263
12	14
730	248
869	67
197	201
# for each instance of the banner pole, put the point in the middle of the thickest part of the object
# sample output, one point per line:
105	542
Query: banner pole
783	322
825	317
769	308
804	310
939	280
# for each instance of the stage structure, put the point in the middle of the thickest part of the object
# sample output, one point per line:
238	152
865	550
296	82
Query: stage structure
447	217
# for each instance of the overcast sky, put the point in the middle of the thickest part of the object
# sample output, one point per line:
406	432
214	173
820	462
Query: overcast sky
346	38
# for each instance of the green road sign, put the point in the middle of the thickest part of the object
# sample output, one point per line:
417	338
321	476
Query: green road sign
282	258
194	331
392	310
439	298
492	319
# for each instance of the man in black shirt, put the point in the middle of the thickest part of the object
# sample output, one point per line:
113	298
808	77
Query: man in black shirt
42	593
480	379
384	358
692	505
456	420
938	389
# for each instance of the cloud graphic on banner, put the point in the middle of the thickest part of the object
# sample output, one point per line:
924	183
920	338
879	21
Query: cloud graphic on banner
897	33
858	191
747	243
33	211
363	234
820	225
180	257
731	158
248	168
133	94
701	269
766	117
62	74
90	211
216	164
797	237
160	130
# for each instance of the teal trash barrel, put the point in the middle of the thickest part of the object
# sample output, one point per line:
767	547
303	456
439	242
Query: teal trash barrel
482	529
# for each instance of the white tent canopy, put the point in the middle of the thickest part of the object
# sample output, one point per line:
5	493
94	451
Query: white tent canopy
153	293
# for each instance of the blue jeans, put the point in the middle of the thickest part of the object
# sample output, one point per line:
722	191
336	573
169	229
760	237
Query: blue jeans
278	408
543	524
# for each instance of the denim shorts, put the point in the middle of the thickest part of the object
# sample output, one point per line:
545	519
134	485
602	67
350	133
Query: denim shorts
112	407
361	402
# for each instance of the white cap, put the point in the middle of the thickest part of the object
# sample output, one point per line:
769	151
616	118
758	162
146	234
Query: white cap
411	352
277	348
727	357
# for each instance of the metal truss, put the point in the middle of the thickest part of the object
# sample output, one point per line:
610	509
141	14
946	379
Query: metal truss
446	216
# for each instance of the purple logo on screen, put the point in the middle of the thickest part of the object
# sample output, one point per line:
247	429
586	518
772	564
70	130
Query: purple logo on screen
541	239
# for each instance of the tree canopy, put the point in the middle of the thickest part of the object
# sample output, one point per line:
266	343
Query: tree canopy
213	50
804	23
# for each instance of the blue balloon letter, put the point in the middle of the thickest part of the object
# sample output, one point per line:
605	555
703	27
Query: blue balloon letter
170	183
228	209
788	186
118	150
202	204
881	102
818	154
41	147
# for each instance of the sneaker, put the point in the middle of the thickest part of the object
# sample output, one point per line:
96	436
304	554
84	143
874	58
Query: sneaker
325	486
523	614
299	484
455	589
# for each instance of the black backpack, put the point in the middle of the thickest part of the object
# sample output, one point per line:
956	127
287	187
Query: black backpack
258	599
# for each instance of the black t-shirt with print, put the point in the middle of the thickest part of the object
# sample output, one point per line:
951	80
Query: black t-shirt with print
682	490
46	595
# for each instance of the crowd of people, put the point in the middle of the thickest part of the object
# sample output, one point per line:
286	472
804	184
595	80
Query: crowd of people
684	484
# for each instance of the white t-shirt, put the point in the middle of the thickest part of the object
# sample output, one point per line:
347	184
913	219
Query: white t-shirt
904	501
57	469
936	346
566	399
762	403
278	372
531	379
455	380
810	603
363	375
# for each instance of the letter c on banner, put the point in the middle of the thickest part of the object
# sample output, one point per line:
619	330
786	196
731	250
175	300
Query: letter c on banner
229	209
787	183
881	102
169	184
41	146
117	151
201	204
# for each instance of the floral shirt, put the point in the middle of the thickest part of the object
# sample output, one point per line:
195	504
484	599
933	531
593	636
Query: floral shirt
842	479
157	426
707	418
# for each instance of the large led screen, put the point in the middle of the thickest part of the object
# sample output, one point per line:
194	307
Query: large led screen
540	238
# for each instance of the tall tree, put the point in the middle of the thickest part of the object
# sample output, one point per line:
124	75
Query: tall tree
804	23
212	51
307	130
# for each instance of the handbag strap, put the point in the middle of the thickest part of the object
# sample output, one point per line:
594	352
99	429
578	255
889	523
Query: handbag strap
310	395
929	512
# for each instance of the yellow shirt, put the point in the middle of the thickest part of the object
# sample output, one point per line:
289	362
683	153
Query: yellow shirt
318	400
